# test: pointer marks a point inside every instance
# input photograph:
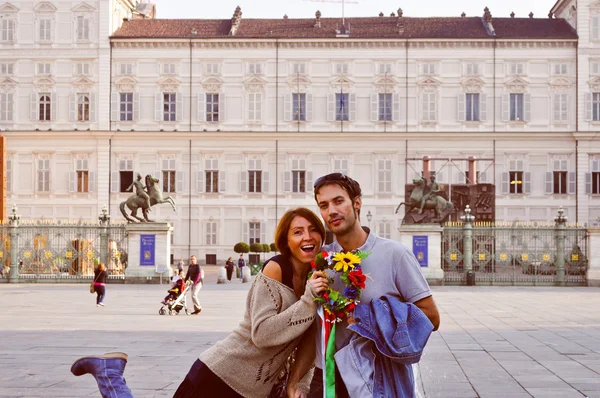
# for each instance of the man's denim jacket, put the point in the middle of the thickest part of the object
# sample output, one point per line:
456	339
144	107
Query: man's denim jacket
389	337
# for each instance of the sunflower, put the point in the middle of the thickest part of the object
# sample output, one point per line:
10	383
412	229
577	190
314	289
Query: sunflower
343	261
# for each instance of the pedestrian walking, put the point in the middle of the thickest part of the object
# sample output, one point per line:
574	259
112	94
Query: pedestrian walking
229	267
180	265
241	265
100	278
195	273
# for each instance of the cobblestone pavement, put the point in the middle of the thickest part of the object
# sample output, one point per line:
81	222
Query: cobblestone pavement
494	341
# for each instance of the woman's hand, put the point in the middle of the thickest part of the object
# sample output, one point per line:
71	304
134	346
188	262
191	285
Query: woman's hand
295	392
319	282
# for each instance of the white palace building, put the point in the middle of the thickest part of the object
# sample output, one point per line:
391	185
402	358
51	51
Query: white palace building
237	117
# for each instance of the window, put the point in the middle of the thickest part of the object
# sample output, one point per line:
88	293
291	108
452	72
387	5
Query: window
384	176
560	181
384	69
211	170
125	174
516	68
429	106
211	259
595	27
595	68
340	166
82	68
253	232
298	175
592	183
516	107
469	180
385	230
6	107
255	68
7	69
472	107
299	68
561	107
169	69
168	175
81	175
559	69
473	69
169	107
43	175
254	176
254	107
341	69
45	105
83	28
428	69
83	107
385	107
126	69
212	107
213	68
45	32
126	107
595	107
211	233
515	179
7	30
299	106
44	68
342	106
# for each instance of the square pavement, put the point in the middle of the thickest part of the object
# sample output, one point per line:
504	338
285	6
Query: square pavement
501	342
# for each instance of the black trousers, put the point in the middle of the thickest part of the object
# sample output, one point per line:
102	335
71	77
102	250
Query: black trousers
202	382
316	385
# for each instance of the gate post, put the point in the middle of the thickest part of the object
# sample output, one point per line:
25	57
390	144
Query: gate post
559	231
468	245
104	222
13	225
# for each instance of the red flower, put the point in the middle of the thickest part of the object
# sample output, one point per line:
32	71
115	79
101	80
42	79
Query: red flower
313	264
357	278
324	254
326	296
350	307
341	314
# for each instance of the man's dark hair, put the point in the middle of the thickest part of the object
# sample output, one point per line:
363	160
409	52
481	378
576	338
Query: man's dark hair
343	181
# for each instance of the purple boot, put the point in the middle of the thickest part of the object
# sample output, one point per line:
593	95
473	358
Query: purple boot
108	372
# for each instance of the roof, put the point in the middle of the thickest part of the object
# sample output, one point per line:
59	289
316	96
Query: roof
360	28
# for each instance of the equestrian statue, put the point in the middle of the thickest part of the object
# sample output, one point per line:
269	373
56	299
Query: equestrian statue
426	197
144	198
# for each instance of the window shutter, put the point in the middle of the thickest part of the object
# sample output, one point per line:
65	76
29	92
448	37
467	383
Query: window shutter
263	232
287	181
396	107
221	107
136	107
243	181
114	107
596	165
549	182
588	183
53	106
527	183
309	107
200	181
73	107
374	107
201	111
595	27
482	107
461	107
505	182
287	107
588	106
115	181
505	107
178	107
245	232
309	182
331	107
158	107
265	182
527	107
92	107
180	182
34	108
72	181
352	107
571	183
222	181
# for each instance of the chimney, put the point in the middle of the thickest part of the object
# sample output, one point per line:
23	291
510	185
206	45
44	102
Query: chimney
380	14
400	21
530	15
512	14
463	15
487	22
235	21
318	19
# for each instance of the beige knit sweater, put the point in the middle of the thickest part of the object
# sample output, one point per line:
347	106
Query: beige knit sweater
250	358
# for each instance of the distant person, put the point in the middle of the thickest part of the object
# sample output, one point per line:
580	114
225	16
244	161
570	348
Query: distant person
195	274
176	277
229	267
100	278
241	265
180	265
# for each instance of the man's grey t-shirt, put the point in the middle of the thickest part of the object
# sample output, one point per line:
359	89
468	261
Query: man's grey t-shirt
392	269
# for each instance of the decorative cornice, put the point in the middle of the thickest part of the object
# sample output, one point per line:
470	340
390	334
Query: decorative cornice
125	84
44	83
212	85
83	7
595	84
517	85
298	83
560	84
341	82
45	7
385	85
472	85
8	8
169	84
255	84
83	84
429	83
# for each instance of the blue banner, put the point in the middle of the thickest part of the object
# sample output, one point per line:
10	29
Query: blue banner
147	245
420	248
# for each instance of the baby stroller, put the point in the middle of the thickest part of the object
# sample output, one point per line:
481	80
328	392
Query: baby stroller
176	301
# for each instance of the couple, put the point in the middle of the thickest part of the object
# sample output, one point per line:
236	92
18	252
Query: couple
280	309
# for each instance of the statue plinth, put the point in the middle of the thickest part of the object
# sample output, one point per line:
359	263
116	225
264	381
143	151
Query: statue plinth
149	252
425	241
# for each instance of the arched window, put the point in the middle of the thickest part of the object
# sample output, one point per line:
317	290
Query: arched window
45	107
83	107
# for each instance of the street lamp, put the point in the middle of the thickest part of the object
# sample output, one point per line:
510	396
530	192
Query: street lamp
369	217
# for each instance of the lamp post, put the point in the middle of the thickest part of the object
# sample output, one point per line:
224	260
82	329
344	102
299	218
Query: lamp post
369	217
560	224
467	220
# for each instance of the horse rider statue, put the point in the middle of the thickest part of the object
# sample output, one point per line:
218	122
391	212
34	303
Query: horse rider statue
432	191
140	189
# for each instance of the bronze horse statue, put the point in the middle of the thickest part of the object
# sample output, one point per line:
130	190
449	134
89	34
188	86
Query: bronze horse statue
134	202
438	204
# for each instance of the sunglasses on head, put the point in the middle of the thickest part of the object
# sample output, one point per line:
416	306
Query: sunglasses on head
330	177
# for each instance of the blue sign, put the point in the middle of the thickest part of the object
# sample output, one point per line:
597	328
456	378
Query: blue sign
420	248
147	245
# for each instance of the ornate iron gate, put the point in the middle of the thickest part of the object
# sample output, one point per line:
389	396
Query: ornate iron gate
517	254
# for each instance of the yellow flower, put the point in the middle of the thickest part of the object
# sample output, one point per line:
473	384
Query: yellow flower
343	261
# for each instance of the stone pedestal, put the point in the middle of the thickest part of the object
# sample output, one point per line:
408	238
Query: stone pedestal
425	241
149	252
593	273
221	275
246	275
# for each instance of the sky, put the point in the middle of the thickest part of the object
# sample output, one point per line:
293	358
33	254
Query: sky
223	9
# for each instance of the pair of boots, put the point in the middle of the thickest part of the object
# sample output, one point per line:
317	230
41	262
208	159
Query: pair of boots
108	372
